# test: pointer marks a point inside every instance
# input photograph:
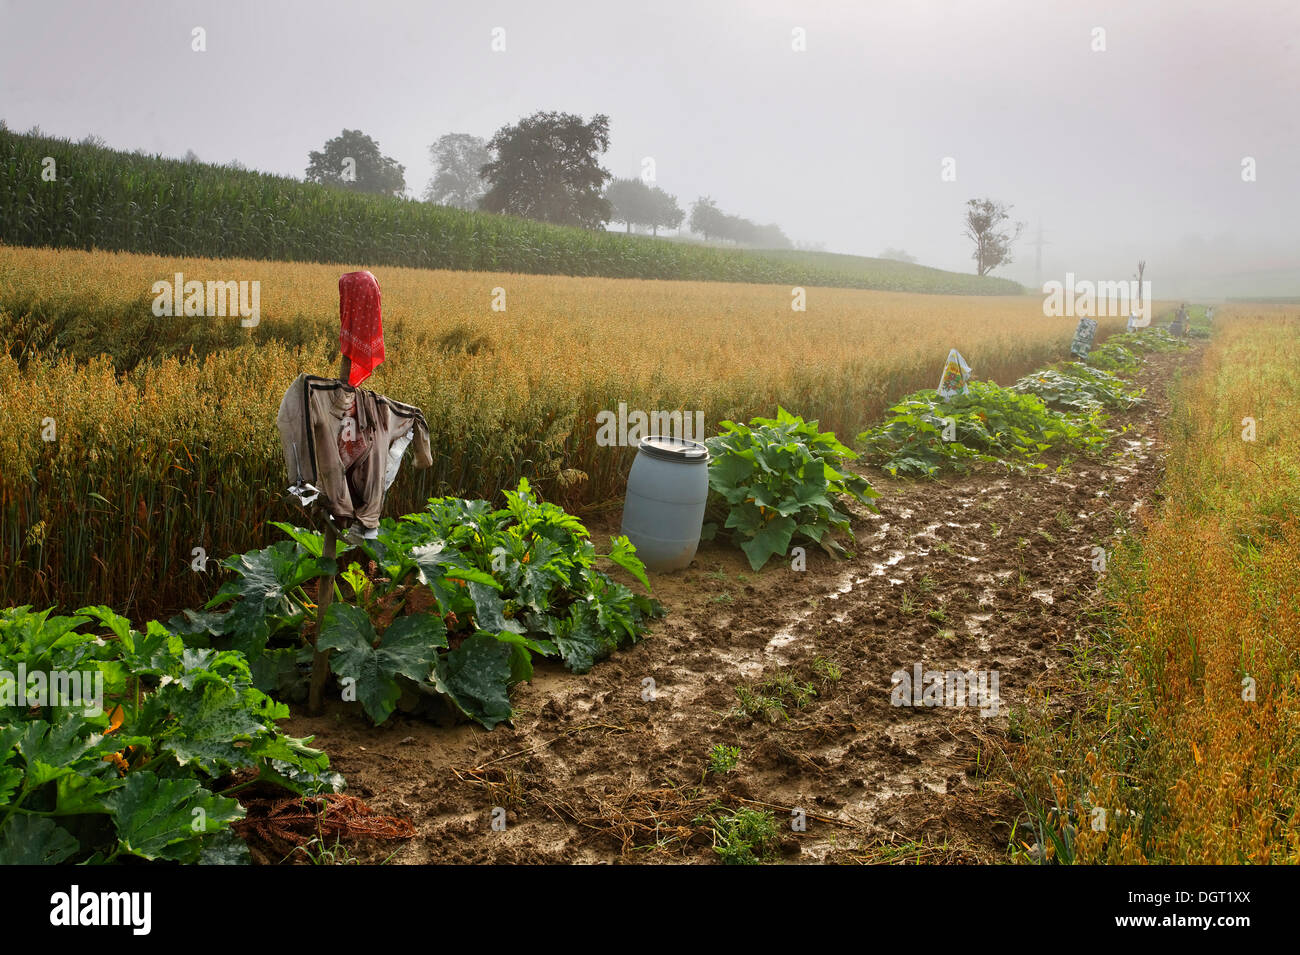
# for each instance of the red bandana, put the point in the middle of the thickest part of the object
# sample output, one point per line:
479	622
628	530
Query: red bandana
361	334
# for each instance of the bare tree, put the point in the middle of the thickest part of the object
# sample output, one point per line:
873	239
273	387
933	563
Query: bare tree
989	226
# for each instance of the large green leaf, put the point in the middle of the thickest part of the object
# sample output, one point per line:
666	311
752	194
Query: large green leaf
77	794
157	651
409	647
225	848
167	818
731	470
282	673
533	571
437	561
54	751
199	666
34	636
112	621
196	627
746	518
270	574
407	642
623	553
476	676
287	752
490	610
579	640
313	542
266	579
11	777
213	727
772	539
35	840
615	609
521	659
9	736
299	780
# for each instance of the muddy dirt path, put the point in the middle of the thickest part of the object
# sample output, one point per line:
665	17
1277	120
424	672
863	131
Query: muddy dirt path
983	572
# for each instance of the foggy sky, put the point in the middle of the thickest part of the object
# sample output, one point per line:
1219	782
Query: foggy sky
1132	152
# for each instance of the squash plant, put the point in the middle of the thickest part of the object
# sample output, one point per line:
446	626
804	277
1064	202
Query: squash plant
1074	386
132	763
926	433
1114	356
456	601
776	480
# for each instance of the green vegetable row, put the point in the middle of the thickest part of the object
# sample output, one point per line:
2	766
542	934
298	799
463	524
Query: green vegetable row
129	742
452	606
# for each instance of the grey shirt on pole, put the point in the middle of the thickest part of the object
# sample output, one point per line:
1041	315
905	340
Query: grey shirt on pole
352	470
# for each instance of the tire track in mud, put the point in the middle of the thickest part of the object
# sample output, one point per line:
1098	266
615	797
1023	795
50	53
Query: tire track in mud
986	572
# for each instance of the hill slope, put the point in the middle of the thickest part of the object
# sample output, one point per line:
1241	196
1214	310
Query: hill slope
107	199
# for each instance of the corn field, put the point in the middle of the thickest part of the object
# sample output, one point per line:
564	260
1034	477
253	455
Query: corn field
104	199
115	467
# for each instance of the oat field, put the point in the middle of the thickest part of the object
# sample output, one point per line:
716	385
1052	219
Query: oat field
127	440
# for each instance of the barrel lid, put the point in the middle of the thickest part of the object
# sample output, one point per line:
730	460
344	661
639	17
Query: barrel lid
673	449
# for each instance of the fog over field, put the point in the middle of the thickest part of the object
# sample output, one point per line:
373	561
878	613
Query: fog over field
1137	150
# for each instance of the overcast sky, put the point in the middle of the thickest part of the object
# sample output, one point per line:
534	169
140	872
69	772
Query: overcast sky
1135	151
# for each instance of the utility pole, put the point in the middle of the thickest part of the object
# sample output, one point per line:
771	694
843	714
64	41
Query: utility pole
1039	242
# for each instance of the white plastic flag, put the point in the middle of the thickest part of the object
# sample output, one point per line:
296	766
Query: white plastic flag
956	376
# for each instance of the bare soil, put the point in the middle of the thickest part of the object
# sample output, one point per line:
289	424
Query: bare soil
985	571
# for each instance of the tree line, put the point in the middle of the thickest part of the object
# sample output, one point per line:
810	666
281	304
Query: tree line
544	167
547	167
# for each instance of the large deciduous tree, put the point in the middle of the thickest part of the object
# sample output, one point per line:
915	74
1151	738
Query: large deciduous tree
634	202
457	159
631	202
667	213
707	219
547	167
352	160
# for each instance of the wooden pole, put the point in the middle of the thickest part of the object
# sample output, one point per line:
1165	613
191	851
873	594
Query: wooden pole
320	668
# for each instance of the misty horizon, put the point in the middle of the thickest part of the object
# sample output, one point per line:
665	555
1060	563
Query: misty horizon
1134	151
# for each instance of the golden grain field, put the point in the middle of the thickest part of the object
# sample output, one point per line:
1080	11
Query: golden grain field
1187	735
155	457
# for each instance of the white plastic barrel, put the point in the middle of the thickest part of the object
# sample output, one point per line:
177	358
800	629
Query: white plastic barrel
667	490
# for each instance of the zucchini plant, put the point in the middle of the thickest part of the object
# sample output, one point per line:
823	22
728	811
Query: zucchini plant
116	742
453	602
777	480
926	433
1074	386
